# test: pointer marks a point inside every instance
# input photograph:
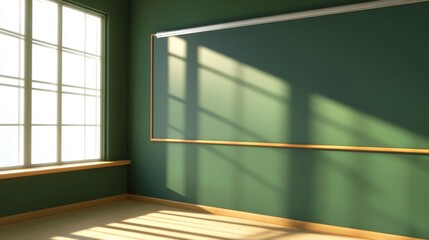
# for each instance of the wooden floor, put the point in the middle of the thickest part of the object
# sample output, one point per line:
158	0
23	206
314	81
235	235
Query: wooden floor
130	220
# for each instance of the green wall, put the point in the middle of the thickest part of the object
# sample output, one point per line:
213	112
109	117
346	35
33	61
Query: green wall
320	80
377	192
24	194
18	195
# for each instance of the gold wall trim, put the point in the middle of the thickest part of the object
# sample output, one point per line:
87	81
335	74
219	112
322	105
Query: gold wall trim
285	222
303	146
152	37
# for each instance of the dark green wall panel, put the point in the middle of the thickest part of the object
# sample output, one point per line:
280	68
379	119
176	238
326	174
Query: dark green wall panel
377	192
19	195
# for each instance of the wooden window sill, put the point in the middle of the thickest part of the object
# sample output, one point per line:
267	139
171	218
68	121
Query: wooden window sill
25	172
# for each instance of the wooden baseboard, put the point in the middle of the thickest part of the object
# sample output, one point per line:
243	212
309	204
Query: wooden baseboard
308	226
290	223
60	209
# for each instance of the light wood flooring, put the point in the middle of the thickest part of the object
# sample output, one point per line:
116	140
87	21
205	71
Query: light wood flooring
131	220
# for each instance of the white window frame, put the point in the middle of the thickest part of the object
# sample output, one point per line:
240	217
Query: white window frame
28	82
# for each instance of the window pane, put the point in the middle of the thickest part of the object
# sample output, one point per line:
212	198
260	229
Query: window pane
11	81
98	122
44	107
74	90
44	86
12	15
80	73
73	69
73	109
45	21
92	142
93	34
73	29
92	72
91	110
73	143
10	146
44	64
44	144
91	92
21	106
9	105
11	50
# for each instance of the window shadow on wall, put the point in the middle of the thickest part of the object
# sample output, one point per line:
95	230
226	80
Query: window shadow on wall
227	87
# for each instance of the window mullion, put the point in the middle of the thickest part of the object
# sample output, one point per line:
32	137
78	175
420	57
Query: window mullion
59	79
104	87
27	76
85	85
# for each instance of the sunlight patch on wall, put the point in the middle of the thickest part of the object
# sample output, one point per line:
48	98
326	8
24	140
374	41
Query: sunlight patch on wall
176	87
176	168
237	181
217	94
344	125
176	118
335	187
214	166
267	83
177	46
348	183
177	77
240	97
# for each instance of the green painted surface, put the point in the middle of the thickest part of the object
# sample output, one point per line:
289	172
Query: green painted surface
26	194
19	195
331	80
377	192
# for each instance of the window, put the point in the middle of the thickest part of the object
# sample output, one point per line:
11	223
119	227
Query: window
50	83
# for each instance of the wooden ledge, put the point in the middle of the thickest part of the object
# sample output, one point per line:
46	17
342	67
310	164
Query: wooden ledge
25	172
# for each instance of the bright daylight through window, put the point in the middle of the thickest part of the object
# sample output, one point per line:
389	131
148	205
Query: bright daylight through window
50	83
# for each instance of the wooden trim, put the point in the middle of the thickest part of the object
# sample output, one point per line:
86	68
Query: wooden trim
60	209
25	172
290	223
302	146
152	37
28	68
